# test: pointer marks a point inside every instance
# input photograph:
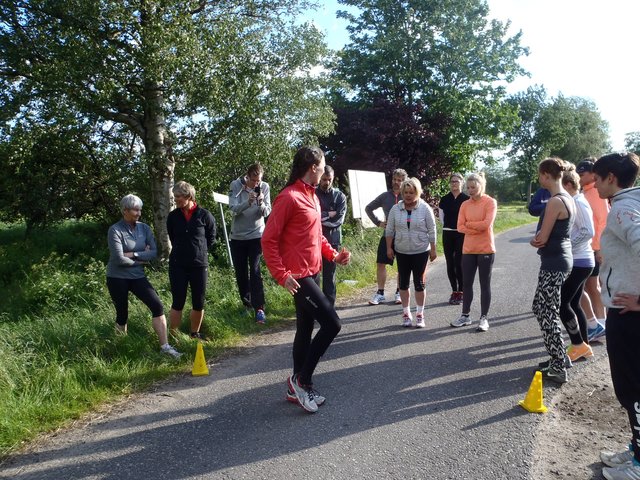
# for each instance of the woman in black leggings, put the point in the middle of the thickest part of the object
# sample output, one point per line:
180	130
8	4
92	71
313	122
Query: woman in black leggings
293	247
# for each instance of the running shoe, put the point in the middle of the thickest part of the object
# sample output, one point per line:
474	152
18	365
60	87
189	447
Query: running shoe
576	352
377	299
595	334
483	325
453	299
616	459
406	320
169	350
261	318
419	320
397	299
461	322
303	394
291	397
630	471
545	364
557	376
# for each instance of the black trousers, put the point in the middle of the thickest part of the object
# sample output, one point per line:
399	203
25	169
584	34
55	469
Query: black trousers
311	304
329	277
246	263
452	246
119	289
415	264
180	278
623	338
571	313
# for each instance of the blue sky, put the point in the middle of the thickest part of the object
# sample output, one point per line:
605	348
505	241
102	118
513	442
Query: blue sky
578	48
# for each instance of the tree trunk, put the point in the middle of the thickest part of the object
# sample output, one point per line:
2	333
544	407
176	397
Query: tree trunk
161	166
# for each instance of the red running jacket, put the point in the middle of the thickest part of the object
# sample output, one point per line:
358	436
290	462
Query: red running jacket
292	242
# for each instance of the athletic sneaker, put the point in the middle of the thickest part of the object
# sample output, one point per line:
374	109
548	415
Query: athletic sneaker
377	299
619	459
397	299
545	364
594	334
303	394
291	397
453	299
483	326
169	350
630	471
576	352
558	376
406	320
197	335
461	322
261	318
419	321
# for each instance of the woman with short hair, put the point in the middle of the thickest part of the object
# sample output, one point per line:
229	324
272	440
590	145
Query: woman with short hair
411	238
131	247
192	231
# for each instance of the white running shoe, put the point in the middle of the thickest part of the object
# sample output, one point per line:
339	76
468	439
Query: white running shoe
305	396
461	322
419	321
406	320
483	325
169	350
630	471
616	459
377	299
397	300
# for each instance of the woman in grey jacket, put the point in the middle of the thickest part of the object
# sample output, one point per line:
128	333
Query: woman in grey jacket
615	175
411	236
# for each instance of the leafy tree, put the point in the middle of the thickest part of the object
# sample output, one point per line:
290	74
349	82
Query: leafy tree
632	142
191	79
383	137
446	55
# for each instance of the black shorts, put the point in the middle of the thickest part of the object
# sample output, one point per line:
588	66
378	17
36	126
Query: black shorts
382	252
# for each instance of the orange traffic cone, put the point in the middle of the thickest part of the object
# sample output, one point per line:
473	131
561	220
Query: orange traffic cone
533	401
199	364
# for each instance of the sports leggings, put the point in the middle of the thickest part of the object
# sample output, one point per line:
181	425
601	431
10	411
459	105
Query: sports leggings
483	263
546	307
412	263
571	313
180	278
452	246
119	289
311	304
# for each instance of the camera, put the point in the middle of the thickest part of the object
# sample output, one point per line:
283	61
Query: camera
257	192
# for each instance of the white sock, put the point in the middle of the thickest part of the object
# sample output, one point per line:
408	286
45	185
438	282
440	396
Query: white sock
420	310
601	321
165	346
592	322
406	310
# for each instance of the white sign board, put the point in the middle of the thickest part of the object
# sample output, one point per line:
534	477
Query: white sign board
365	186
220	198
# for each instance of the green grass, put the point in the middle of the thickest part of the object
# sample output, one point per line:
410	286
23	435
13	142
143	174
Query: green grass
59	357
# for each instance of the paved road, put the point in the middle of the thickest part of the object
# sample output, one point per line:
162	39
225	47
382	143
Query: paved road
437	403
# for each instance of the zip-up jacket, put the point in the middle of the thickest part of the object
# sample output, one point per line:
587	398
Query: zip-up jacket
123	239
248	220
475	220
292	242
332	200
620	246
192	240
412	234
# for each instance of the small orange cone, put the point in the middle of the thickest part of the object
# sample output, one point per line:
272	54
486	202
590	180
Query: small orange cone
199	364
533	401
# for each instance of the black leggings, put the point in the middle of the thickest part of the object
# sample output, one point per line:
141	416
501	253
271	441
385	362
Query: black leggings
119	289
312	304
571	313
412	263
246	263
483	263
452	246
180	278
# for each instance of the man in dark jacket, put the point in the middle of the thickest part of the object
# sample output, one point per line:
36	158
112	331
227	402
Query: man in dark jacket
333	204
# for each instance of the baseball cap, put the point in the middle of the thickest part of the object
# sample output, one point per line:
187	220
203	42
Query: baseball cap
584	166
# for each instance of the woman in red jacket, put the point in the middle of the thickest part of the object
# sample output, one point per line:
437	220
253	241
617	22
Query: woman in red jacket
293	247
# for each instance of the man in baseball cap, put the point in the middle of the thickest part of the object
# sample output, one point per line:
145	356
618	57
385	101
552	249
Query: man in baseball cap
585	166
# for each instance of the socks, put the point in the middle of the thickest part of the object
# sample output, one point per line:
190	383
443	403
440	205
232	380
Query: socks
592	322
406	310
381	291
420	310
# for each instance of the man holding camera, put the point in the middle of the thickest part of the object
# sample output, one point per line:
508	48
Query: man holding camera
250	203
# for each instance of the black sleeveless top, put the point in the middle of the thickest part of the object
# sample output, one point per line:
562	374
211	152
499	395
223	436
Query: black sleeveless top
556	255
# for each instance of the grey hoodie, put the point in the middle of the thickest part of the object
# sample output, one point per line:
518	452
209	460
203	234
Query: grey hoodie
248	220
620	246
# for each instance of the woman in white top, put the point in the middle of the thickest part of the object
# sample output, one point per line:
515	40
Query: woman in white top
571	313
411	229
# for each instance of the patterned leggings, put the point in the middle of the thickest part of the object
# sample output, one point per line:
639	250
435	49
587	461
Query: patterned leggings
546	307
